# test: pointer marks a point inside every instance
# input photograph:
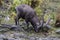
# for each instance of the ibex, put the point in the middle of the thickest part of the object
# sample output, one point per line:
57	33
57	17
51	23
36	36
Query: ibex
26	12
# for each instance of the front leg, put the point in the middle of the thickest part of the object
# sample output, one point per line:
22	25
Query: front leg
16	20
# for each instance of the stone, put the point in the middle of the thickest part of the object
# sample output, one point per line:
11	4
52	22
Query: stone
58	31
31	38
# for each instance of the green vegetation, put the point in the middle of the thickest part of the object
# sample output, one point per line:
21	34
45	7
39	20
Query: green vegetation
7	8
40	5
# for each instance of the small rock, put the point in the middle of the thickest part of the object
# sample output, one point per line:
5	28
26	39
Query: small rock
20	39
11	38
5	39
2	36
49	38
3	29
18	35
32	38
40	39
58	31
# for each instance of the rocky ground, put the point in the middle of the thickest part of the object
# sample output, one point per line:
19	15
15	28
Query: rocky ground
8	32
12	35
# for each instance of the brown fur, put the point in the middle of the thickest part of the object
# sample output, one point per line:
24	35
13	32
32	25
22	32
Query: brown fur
57	23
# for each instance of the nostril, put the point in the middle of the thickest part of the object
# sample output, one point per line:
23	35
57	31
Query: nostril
36	31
